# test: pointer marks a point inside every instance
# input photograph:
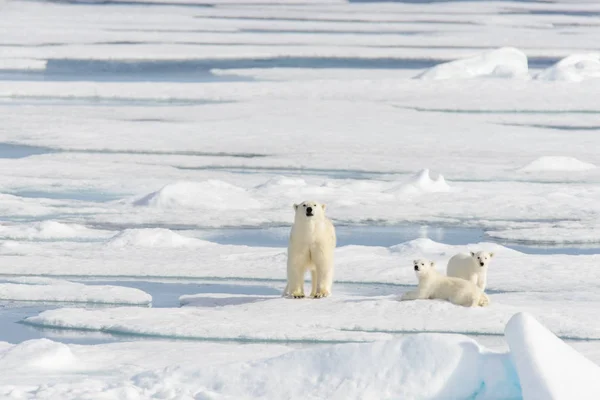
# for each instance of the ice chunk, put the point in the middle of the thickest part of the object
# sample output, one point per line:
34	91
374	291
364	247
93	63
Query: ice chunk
55	290
548	368
422	183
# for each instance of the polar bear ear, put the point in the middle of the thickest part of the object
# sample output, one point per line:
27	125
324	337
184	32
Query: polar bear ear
472	254
491	254
323	206
295	207
432	264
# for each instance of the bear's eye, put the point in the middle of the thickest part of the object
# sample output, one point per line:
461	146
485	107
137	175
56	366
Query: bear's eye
304	205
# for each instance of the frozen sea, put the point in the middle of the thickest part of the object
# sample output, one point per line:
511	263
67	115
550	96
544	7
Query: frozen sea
151	152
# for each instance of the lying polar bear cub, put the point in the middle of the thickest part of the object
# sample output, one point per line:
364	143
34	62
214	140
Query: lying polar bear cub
311	246
433	285
472	267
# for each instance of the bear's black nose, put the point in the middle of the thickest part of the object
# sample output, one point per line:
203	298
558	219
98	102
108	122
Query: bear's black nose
416	267
481	264
308	210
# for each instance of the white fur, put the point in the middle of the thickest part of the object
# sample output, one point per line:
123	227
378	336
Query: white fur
472	267
311	247
433	285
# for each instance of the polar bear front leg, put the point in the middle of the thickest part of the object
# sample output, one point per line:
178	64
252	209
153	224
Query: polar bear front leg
296	267
313	281
482	280
323	260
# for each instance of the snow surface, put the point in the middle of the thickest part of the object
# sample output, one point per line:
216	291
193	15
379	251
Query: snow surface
56	290
130	130
574	68
51	230
501	63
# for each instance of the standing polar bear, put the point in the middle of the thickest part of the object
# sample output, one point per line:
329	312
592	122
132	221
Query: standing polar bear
472	267
433	285
311	246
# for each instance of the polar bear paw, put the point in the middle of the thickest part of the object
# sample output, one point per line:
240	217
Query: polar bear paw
484	300
297	294
321	293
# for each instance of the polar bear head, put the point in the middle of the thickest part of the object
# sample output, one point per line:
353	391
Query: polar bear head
308	210
423	267
482	258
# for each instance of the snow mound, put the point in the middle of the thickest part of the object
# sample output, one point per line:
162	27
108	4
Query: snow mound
50	230
506	62
211	194
418	247
56	290
39	353
153	237
548	368
425	366
422	183
557	163
574	68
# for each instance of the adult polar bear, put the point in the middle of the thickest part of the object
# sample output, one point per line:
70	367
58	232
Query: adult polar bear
311	247
433	285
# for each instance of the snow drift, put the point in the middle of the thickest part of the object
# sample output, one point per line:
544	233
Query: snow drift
425	366
574	68
210	194
51	230
557	163
506	62
152	237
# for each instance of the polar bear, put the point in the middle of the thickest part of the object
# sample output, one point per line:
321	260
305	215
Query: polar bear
472	267
311	247
433	285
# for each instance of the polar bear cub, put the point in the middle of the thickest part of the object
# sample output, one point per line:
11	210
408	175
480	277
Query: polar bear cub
433	285
472	267
310	248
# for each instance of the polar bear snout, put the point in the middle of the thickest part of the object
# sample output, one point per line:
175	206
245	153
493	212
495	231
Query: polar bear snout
481	264
309	212
416	267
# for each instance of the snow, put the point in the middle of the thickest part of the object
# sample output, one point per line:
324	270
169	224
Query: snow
506	62
422	182
152	238
574	68
557	163
547	367
56	290
51	230
138	140
211	194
